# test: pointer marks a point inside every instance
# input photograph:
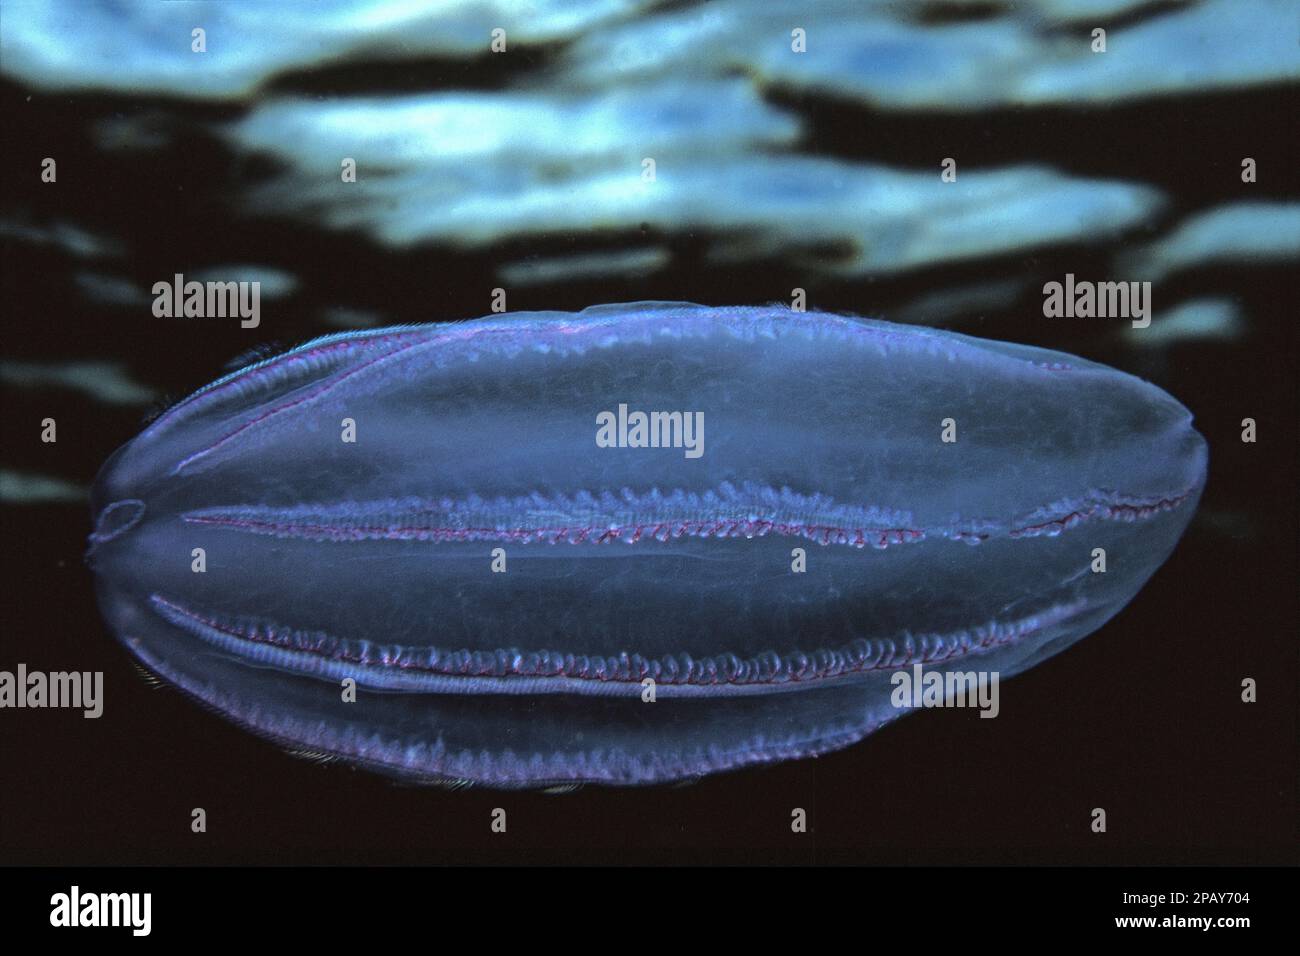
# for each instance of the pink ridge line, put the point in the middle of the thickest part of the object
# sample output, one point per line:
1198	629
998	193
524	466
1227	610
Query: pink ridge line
294	357
699	671
666	530
465	333
597	534
325	387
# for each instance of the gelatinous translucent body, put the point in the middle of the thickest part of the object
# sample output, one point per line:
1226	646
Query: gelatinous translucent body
377	559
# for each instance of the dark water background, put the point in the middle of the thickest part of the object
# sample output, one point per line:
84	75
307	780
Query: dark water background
1142	718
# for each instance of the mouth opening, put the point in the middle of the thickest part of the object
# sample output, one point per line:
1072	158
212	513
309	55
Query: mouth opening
114	521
